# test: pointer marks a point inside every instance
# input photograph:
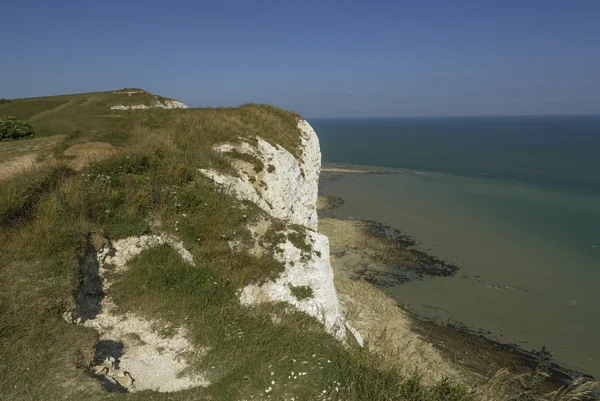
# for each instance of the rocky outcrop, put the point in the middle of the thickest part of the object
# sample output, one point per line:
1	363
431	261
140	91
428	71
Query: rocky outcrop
157	104
287	189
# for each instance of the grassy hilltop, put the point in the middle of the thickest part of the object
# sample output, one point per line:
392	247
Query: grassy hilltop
145	179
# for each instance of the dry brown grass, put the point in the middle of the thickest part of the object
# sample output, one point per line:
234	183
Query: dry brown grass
579	390
83	154
505	385
16	165
22	155
387	331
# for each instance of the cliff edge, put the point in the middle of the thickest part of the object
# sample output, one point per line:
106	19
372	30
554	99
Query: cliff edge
287	190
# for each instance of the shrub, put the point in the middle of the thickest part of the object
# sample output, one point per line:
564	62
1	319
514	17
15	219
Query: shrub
4	101
13	128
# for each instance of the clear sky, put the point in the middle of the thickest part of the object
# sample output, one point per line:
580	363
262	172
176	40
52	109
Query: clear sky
322	58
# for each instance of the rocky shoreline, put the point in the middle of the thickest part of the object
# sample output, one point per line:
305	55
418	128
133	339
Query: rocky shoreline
371	252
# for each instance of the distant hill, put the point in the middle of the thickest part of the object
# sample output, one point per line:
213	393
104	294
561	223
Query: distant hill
83	112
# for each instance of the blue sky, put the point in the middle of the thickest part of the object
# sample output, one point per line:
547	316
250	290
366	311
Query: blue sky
323	58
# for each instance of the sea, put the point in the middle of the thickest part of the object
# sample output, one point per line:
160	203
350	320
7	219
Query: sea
514	202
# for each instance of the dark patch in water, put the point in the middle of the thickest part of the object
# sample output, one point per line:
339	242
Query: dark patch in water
332	203
416	265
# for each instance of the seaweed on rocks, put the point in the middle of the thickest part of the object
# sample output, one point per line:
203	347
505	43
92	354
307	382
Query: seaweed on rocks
410	264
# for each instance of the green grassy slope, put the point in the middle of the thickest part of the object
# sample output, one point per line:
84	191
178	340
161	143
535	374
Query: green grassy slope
153	186
68	114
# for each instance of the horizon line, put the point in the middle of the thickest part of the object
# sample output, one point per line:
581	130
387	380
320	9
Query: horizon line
454	116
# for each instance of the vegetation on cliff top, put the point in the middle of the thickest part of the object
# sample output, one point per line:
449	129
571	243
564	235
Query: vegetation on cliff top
150	185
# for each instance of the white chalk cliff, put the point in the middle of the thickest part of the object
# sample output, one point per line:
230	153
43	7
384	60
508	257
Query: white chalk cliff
287	189
290	190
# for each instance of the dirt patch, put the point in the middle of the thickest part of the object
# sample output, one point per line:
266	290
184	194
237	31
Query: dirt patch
84	153
22	155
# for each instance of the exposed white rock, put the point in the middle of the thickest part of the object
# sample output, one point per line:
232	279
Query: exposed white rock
134	356
148	361
359	340
289	191
167	104
119	107
170	104
302	269
124	250
129	93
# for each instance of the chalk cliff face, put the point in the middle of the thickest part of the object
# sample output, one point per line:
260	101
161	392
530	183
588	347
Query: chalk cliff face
287	189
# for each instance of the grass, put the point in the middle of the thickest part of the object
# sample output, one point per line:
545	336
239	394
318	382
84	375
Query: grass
47	214
248	351
297	236
258	164
302	292
11	149
44	225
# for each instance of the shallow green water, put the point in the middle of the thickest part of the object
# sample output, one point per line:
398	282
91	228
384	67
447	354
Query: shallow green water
523	227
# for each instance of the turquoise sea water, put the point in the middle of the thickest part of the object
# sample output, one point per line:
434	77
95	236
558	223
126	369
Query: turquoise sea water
514	201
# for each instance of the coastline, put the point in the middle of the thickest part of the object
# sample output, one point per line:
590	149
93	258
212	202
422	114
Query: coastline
334	170
377	256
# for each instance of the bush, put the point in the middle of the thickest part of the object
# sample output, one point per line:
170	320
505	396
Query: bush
13	128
